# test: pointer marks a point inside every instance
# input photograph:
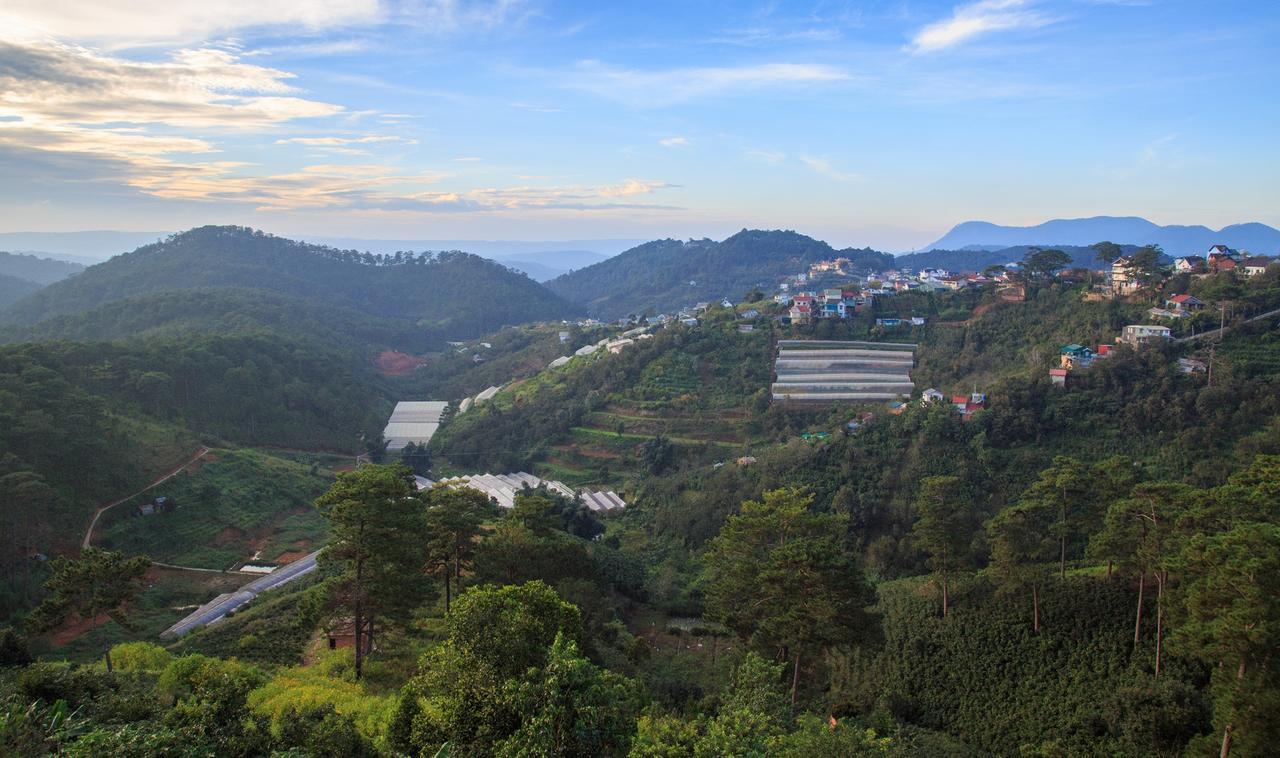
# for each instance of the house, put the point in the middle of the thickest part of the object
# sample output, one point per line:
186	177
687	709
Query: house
897	407
800	313
1187	303
1255	265
1013	293
341	635
967	405
1103	351
1192	366
1191	264
1219	262
690	321
888	322
744	328
1058	376
160	504
1222	250
1123	276
726	303
1075	356
931	395
564	336
1166	313
1137	335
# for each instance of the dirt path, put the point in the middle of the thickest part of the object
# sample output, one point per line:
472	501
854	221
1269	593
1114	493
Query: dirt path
88	535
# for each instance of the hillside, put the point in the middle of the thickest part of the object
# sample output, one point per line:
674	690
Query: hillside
13	289
666	275
1175	240
36	269
448	295
223	310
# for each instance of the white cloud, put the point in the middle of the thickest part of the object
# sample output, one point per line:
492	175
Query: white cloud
672	86
824	167
48	84
141	21
674	142
974	19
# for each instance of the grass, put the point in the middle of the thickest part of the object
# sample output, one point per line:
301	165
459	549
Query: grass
237	503
169	596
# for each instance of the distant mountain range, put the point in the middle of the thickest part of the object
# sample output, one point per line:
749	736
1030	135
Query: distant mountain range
1126	230
222	277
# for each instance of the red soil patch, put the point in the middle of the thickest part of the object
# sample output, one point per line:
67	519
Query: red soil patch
74	629
228	535
290	556
396	363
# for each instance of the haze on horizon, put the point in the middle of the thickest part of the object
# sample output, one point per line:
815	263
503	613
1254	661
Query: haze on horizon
873	123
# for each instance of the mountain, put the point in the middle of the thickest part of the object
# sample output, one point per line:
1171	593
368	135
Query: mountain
36	269
447	295
548	264
1130	230
91	246
668	274
13	289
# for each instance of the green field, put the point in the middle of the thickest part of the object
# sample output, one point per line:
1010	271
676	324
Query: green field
234	505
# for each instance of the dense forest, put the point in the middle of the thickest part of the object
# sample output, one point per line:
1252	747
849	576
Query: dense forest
1090	568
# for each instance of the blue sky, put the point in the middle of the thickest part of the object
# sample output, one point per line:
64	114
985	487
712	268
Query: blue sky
863	123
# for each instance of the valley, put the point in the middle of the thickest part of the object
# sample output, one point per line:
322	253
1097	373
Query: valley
244	421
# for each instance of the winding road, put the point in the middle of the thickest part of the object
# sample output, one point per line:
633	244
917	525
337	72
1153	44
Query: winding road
88	535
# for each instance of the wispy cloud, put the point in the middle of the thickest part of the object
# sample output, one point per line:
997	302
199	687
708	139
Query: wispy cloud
1153	149
675	142
823	166
975	19
768	156
347	145
657	88
122	22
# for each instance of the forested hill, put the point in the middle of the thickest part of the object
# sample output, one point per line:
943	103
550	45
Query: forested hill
447	294
664	275
13	289
35	269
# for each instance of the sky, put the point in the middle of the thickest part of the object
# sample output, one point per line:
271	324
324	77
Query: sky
877	123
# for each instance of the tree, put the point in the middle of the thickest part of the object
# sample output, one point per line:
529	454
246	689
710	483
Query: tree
569	706
944	528
1145	262
1231	620
417	458
1021	544
1063	488
1142	532
378	543
779	575
1106	253
453	521
1044	263
496	635
96	583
